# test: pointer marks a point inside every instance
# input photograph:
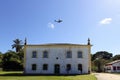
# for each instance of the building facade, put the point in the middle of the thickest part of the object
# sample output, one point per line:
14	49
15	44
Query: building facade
57	59
113	66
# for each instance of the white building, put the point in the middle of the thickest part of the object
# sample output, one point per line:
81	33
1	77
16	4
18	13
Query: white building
57	59
113	66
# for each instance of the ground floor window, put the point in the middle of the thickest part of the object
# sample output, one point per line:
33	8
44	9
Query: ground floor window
80	67
34	66
114	68
68	67
45	66
118	67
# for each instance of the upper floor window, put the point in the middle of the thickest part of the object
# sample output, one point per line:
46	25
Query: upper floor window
68	67
34	54
34	66
45	66
69	54
79	54
45	54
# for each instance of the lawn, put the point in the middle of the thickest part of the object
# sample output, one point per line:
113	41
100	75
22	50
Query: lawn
20	76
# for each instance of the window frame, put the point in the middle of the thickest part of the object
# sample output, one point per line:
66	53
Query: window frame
114	68
45	67
69	54
118	67
80	67
68	67
45	54
34	67
79	54
34	54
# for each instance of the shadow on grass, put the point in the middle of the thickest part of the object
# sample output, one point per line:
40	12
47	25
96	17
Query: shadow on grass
12	74
22	74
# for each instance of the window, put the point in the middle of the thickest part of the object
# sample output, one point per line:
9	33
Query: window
45	66
80	67
69	54
114	68
118	67
34	67
79	54
68	67
45	54
34	54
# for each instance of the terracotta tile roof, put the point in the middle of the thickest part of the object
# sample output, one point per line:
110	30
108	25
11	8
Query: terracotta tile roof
113	62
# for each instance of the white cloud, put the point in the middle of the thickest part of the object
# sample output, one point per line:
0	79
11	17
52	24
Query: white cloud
51	25
106	21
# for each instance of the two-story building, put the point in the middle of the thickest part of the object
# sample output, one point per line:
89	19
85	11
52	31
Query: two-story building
57	58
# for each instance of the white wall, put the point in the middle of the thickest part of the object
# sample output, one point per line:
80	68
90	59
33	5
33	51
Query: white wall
51	60
115	64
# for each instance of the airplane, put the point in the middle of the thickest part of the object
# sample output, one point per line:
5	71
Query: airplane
58	21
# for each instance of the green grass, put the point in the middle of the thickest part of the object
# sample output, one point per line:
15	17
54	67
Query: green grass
20	76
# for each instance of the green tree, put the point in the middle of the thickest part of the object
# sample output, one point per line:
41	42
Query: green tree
17	45
99	64
1	56
99	59
102	55
116	57
21	56
11	61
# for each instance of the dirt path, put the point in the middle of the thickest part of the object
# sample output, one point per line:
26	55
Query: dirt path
107	76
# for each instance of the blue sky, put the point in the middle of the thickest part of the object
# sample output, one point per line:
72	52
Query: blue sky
98	20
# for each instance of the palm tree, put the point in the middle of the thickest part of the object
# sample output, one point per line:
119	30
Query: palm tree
17	45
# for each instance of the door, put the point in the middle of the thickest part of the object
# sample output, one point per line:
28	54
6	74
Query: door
57	69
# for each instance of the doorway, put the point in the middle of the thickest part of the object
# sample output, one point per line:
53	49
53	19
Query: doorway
57	69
